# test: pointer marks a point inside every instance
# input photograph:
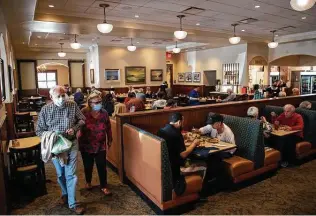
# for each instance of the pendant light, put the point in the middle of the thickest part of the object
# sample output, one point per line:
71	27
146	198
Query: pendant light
75	44
273	44
176	49
131	47
61	53
104	27
180	34
234	39
302	5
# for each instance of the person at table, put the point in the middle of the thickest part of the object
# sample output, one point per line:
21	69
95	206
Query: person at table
306	105
160	103
112	92
231	96
291	121
178	153
168	90
67	89
162	89
108	103
253	112
63	117
216	128
194	96
136	104
79	97
94	90
130	96
148	93
119	107
282	94
131	89
170	104
140	93
94	138
295	92
257	94
274	90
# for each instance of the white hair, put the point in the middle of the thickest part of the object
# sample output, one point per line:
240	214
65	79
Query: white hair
253	111
78	90
305	105
229	90
290	106
282	94
52	91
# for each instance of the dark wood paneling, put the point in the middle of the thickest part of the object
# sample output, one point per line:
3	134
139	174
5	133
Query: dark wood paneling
185	89
3	173
10	119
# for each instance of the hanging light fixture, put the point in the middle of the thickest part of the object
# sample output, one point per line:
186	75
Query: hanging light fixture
131	47
180	34
75	44
273	44
234	39
176	49
302	5
104	27
61	53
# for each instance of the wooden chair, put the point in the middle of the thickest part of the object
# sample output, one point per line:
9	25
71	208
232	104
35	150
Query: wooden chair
25	134
27	162
24	122
23	106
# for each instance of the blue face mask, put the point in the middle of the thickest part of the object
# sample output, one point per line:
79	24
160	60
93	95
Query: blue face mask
97	107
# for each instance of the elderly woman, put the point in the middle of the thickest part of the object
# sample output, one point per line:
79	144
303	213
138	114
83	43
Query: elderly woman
95	135
253	112
306	105
282	94
295	91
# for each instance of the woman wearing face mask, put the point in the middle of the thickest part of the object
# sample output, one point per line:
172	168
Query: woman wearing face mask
95	135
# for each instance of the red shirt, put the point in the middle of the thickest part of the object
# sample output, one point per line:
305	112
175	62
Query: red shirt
95	132
295	122
138	103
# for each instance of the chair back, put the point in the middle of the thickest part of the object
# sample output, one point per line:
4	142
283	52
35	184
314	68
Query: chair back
22	157
24	121
23	106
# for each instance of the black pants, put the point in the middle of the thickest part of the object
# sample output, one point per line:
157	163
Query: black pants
100	160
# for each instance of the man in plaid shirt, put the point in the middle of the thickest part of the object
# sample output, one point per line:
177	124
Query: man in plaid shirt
64	117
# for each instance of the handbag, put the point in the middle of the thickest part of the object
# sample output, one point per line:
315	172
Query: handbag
61	145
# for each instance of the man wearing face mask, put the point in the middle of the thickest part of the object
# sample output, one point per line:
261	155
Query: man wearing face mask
63	117
95	138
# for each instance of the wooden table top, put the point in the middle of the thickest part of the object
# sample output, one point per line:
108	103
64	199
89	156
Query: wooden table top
25	142
33	113
282	133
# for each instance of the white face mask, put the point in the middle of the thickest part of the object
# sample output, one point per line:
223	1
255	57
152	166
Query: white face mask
59	101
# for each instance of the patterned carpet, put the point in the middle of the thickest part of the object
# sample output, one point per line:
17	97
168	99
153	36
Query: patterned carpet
290	191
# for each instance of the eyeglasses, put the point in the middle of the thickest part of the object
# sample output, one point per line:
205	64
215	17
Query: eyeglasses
97	102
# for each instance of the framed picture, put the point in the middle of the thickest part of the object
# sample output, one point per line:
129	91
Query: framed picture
180	77
92	75
112	74
135	75
196	77
188	76
156	74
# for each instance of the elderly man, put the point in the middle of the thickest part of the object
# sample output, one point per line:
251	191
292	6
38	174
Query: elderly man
291	121
306	105
295	91
64	117
231	96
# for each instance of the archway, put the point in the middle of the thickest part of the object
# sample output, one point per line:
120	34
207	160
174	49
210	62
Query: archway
52	73
258	67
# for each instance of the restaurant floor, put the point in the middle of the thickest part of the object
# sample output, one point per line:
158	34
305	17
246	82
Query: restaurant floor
290	191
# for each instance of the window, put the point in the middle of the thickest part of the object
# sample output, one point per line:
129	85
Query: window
2	80
47	79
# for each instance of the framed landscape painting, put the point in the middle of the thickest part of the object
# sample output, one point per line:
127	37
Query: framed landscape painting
196	77
112	74
180	77
156	74
135	75
188	77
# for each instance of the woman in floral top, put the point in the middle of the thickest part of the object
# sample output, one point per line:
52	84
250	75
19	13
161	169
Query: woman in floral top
95	135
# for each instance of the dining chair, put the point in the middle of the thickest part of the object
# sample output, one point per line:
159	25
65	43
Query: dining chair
24	122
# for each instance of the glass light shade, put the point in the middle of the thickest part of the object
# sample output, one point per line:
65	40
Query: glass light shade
61	54
180	34
273	45
176	50
234	40
75	45
131	48
105	27
302	5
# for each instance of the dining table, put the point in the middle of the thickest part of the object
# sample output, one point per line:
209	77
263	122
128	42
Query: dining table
24	143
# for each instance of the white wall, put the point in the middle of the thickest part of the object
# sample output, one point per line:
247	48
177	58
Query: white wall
120	57
212	59
93	63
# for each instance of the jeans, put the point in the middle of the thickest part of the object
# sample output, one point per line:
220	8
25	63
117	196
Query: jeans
88	162
67	178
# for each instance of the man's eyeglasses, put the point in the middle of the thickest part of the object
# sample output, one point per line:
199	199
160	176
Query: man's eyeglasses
97	102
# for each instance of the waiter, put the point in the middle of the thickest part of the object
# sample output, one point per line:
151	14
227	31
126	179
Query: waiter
194	96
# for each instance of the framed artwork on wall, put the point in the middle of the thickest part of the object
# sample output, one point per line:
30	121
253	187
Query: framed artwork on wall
112	74
188	77
135	75
156	74
196	77
92	75
180	77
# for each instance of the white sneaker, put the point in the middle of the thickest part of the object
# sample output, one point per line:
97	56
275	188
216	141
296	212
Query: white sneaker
284	164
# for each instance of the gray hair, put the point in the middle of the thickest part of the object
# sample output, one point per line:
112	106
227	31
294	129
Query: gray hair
253	111
305	105
78	90
282	94
290	106
52	91
229	90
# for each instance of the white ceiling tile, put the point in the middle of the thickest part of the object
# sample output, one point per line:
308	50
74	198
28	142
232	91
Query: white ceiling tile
165	6
58	4
111	4
74	8
208	13
86	3
239	3
229	17
134	2
189	3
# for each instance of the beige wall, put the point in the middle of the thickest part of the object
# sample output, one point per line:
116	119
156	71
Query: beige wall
62	73
120	57
27	75
23	54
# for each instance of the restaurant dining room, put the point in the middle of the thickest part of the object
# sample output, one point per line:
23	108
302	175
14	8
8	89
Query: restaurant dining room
142	107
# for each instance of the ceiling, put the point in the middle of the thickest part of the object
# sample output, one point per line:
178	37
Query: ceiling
40	27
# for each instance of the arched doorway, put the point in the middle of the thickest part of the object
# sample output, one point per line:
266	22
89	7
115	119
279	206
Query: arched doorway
257	70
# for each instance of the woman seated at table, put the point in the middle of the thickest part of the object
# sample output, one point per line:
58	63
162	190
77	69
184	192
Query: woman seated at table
253	112
160	103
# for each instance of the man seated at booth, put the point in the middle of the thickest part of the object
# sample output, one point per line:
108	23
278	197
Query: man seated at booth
231	96
194	96
178	153
136	104
290	121
306	105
